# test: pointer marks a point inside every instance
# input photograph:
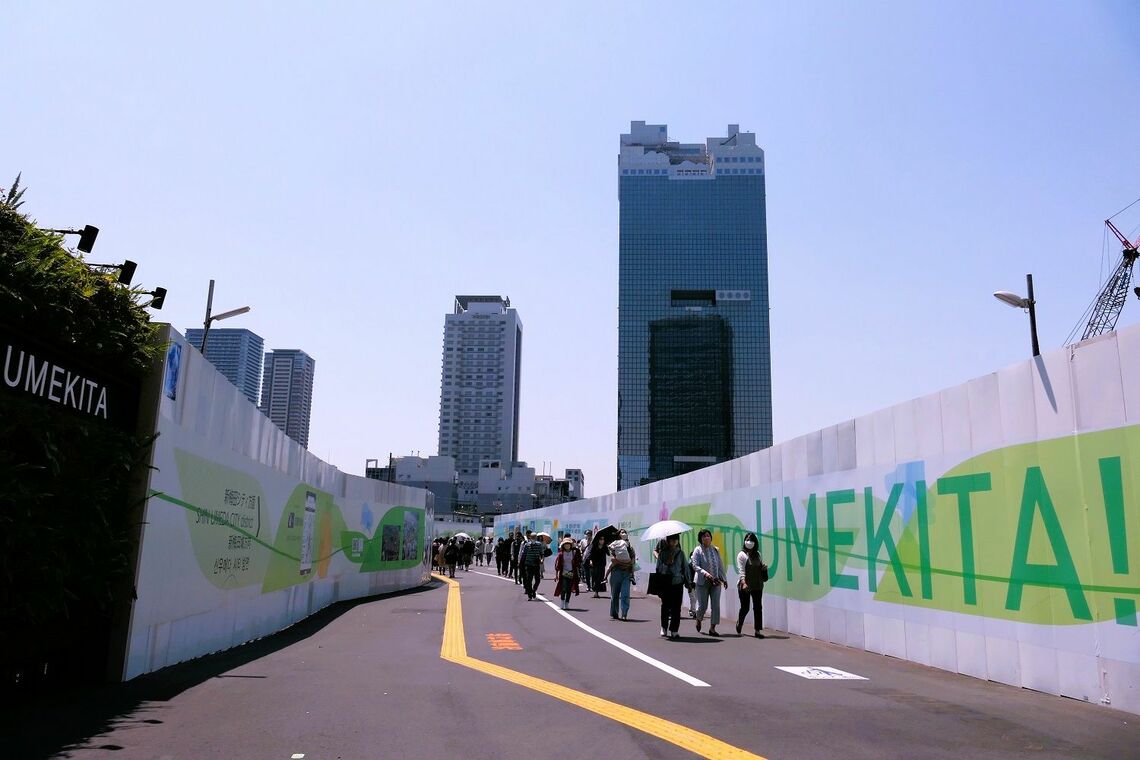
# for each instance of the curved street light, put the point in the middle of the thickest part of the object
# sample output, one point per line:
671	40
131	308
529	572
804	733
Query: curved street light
211	318
1016	301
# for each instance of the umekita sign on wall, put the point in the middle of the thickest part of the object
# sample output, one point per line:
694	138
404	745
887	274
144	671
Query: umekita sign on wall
37	370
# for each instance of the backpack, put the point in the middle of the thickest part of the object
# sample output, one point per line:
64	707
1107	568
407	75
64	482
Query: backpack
620	550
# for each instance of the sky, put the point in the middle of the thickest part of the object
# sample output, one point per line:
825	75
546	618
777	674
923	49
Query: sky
345	169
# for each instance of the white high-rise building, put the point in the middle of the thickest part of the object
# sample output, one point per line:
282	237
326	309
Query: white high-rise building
287	391
479	398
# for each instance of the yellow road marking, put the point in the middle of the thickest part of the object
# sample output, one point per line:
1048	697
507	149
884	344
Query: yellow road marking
454	649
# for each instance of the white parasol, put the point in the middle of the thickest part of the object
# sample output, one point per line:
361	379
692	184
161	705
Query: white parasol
664	528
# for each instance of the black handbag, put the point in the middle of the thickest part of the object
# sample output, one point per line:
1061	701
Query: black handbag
659	583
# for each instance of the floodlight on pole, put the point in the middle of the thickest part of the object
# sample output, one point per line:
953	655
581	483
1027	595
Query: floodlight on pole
86	235
126	270
1016	301
211	318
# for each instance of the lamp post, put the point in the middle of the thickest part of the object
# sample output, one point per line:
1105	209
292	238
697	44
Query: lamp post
1013	299
211	318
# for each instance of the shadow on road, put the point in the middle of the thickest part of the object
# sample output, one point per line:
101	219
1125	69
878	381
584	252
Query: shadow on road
46	724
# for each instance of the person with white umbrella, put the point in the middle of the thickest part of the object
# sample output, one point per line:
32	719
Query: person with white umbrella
674	565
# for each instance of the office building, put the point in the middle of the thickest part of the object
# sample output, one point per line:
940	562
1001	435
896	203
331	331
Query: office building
694	360
236	354
435	474
287	391
479	388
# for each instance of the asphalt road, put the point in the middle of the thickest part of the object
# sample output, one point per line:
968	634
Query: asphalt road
367	680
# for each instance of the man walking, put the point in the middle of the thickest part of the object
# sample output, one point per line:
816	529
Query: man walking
531	561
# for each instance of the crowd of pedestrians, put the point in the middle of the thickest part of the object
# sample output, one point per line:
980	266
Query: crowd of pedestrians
612	566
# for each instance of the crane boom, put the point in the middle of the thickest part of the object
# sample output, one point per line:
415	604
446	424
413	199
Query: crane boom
1110	302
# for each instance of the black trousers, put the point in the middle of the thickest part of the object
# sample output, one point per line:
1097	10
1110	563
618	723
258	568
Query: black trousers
671	608
751	596
530	579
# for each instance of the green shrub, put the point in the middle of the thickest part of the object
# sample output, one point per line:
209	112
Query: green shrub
66	533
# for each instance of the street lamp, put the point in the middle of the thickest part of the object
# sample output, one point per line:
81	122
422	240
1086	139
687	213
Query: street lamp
1013	299
211	318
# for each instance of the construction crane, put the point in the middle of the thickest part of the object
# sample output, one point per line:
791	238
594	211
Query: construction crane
1110	302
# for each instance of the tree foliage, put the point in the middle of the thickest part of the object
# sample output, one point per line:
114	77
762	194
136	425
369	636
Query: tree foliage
66	544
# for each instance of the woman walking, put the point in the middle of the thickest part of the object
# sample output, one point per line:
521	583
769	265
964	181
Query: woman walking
567	569
672	562
752	570
709	570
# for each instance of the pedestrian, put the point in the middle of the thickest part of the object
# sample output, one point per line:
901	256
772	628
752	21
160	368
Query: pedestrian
531	562
596	564
488	549
708	569
583	547
620	575
479	551
567	569
516	546
672	562
500	558
750	588
451	556
468	552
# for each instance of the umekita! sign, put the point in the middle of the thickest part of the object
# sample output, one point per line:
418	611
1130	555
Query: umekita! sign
33	368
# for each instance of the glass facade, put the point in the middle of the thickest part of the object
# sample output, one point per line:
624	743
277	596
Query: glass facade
236	353
694	361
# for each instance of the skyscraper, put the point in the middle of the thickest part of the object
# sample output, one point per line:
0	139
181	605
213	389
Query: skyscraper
287	391
479	389
694	360
235	353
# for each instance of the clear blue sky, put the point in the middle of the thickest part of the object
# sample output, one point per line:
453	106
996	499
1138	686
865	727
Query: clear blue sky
346	169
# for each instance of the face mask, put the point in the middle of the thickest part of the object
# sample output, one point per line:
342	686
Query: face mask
749	544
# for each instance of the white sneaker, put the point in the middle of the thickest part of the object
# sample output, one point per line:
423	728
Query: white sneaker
664	633
674	635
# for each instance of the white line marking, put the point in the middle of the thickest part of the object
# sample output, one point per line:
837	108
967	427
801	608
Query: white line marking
614	642
625	647
820	673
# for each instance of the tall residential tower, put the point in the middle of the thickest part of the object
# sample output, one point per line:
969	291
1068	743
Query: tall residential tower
479	397
235	353
287	391
694	362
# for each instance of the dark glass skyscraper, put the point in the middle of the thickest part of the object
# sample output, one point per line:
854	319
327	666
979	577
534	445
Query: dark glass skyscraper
694	360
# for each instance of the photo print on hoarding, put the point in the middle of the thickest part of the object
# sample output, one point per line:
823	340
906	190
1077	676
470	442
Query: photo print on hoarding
390	548
411	531
173	364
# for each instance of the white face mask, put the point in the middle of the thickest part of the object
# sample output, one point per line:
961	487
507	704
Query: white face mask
750	544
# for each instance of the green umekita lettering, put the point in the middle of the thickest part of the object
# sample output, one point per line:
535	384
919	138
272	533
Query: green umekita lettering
837	538
804	543
879	539
1062	573
1039	533
963	487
